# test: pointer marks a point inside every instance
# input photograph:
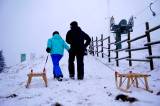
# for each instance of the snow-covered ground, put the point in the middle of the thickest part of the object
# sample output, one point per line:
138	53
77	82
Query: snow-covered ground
97	89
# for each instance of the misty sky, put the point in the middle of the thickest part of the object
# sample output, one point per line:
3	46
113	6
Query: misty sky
25	25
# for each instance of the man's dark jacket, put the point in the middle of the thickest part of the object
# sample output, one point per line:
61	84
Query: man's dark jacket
78	39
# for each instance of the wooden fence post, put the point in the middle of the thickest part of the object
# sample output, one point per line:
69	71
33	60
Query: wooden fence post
109	52
117	62
92	47
97	45
129	47
102	45
149	46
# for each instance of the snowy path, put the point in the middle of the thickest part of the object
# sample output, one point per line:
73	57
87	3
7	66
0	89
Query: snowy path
97	89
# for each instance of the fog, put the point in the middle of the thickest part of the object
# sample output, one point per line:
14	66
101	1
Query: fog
25	25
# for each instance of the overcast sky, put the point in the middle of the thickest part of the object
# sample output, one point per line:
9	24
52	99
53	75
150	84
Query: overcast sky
25	25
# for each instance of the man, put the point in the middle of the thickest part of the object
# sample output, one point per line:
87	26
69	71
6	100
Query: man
78	41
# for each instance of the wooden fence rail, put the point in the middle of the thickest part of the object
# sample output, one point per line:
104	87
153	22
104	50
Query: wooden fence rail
97	47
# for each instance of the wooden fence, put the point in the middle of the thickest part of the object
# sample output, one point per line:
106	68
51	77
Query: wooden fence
97	47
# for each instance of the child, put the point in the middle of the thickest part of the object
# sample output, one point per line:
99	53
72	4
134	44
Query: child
55	47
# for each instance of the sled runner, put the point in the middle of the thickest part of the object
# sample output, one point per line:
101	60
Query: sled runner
131	79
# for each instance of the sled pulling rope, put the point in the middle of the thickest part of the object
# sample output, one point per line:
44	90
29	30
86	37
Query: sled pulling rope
40	74
132	79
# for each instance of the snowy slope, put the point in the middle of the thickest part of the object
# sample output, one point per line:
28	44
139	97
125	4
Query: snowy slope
97	89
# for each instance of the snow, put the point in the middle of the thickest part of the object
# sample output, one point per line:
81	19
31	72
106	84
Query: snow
97	89
25	21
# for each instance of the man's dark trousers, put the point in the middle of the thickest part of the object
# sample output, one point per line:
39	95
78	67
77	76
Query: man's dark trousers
80	64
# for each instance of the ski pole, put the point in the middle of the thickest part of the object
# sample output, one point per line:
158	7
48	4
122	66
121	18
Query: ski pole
44	70
46	61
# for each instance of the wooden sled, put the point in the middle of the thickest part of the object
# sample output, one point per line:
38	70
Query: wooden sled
131	79
32	74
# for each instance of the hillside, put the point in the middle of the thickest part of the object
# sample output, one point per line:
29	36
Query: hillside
97	89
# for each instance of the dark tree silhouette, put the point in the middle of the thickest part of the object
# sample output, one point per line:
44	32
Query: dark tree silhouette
2	61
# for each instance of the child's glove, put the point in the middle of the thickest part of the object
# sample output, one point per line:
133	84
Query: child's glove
48	50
